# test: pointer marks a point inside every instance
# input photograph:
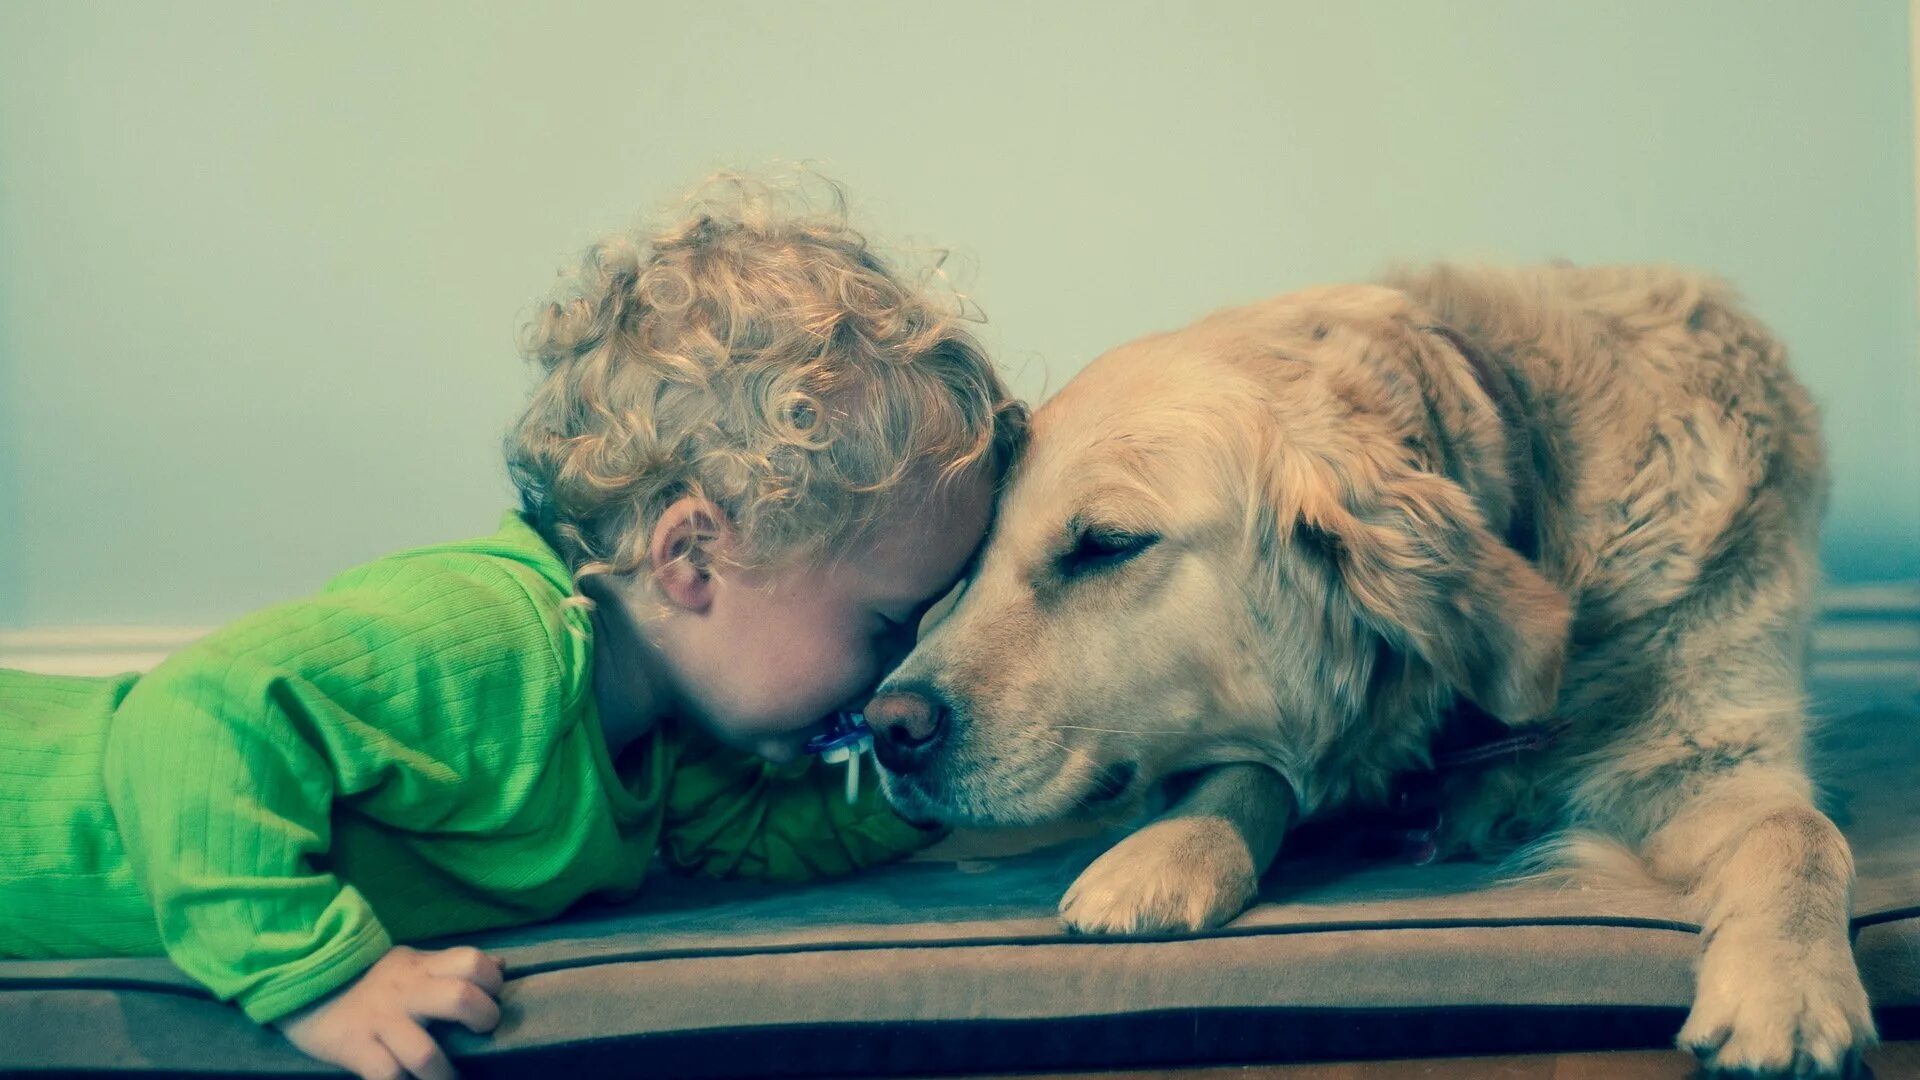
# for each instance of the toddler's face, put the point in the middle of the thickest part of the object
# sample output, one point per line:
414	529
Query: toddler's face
783	650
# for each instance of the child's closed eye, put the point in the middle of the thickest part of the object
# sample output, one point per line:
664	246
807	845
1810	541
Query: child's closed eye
896	630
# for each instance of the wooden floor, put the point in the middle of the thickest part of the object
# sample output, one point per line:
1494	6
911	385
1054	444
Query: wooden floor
1897	1061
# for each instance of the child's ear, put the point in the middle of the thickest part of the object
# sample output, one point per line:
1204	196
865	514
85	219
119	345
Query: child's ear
682	550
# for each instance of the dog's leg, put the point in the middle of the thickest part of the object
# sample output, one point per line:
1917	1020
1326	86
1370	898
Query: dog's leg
1778	991
1712	785
1198	865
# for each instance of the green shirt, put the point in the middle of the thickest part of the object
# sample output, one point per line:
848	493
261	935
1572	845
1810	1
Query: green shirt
412	753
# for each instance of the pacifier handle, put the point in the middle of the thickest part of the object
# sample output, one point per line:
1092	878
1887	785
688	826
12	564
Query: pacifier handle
846	742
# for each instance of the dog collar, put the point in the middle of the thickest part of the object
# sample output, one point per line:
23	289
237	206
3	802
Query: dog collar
1408	827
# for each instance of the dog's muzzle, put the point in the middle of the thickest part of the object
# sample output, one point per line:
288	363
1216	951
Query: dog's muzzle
909	724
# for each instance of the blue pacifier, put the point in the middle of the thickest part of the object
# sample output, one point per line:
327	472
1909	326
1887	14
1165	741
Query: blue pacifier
844	741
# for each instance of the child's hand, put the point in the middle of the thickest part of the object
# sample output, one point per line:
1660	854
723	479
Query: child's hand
375	1026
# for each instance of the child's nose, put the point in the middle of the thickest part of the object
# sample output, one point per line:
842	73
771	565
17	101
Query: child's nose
907	728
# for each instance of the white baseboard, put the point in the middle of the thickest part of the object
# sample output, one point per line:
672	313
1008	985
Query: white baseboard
92	650
1864	631
1869	633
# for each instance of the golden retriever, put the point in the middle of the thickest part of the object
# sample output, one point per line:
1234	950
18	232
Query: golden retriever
1254	568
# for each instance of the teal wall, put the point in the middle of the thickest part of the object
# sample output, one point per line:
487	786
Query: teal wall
261	265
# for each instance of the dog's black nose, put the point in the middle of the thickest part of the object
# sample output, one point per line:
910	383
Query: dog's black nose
907	727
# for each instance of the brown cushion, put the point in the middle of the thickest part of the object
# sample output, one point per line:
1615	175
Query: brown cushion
956	961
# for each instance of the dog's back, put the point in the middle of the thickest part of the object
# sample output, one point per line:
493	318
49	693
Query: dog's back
1690	483
1670	430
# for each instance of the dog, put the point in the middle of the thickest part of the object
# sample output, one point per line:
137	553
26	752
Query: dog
1258	568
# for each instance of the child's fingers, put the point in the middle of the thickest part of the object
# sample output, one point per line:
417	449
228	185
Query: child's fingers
369	1059
466	962
442	998
416	1052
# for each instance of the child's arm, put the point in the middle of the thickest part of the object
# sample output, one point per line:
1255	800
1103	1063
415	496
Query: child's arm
225	764
223	794
223	791
730	814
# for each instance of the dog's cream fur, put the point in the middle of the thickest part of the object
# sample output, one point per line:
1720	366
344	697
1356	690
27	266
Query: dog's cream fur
1250	564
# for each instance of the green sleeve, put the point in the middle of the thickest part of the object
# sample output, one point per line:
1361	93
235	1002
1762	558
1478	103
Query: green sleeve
730	814
224	765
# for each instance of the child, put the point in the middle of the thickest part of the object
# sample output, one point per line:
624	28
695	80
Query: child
755	460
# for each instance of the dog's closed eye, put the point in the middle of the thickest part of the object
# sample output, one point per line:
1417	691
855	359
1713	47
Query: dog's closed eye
1099	548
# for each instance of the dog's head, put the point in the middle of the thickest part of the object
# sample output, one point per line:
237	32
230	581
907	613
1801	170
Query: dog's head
1269	537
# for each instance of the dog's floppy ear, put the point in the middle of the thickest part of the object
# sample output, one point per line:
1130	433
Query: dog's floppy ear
1414	555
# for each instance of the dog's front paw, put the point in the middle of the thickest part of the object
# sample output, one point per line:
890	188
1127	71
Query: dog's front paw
1776	1008
1180	874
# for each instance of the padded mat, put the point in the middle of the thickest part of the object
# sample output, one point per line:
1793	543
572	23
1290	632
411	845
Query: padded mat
955	961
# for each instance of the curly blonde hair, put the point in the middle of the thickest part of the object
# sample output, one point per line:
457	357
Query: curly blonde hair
757	356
